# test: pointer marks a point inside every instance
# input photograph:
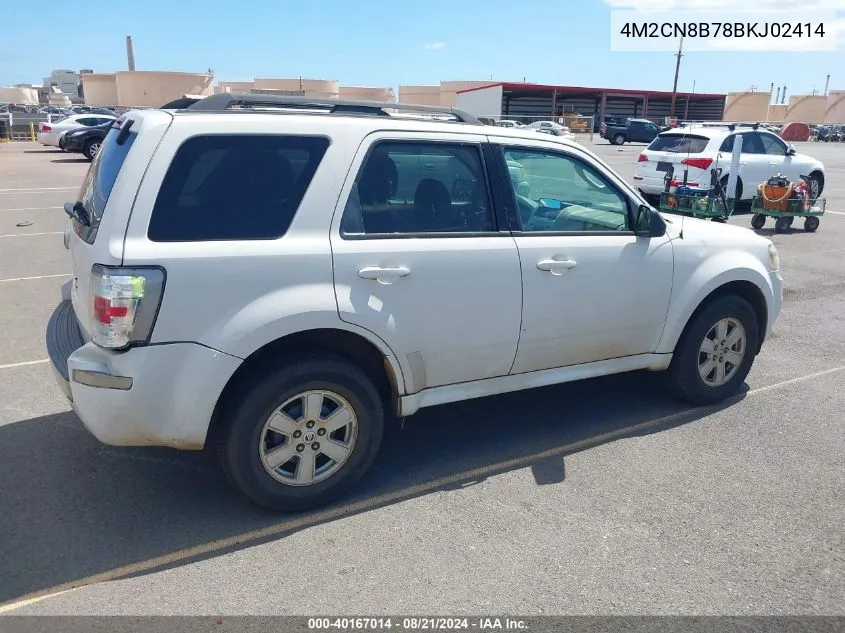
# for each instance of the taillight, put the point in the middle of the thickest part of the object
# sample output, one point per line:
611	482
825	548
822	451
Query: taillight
125	302
700	163
642	158
46	128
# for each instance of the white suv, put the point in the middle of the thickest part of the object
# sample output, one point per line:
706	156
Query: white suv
699	149
278	276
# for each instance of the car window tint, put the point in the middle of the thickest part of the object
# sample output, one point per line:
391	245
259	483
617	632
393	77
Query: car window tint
558	192
772	144
751	143
419	187
728	144
679	143
234	187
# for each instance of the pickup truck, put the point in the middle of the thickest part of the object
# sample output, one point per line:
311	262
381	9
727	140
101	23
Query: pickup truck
633	131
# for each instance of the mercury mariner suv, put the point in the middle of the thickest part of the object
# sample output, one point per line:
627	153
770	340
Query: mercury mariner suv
276	277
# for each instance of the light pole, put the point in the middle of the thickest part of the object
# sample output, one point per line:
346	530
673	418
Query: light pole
677	70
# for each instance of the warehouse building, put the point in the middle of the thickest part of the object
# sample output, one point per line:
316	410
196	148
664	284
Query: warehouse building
530	101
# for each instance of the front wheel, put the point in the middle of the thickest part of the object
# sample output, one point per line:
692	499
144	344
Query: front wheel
619	139
715	352
303	434
811	223
758	221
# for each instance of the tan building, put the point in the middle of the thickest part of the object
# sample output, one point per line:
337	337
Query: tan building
747	106
445	94
835	108
142	88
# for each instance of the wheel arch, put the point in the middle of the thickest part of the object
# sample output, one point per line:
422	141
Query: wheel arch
353	347
743	288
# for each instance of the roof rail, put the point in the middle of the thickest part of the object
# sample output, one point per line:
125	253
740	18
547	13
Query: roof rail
227	101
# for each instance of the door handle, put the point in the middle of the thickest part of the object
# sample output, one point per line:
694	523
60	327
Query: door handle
384	275
556	266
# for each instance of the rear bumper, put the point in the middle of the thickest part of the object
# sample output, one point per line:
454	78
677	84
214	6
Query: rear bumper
649	184
157	395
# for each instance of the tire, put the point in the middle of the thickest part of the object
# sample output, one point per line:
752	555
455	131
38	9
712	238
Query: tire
781	225
811	223
816	180
244	438
758	221
789	221
683	377
90	149
724	183
619	139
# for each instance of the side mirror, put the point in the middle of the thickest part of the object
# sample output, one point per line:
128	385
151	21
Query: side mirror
791	151
649	223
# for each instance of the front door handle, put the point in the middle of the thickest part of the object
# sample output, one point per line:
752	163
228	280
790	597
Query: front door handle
556	266
383	274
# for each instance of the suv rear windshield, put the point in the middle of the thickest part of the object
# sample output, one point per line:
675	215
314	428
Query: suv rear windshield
679	143
100	179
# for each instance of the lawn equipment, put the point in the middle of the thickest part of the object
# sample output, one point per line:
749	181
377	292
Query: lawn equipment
783	200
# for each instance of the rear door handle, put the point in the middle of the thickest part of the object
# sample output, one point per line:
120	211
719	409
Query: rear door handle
384	275
556	266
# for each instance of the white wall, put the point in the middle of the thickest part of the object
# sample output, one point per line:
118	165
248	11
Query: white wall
482	102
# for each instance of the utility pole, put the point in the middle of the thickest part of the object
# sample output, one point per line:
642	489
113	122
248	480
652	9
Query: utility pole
677	70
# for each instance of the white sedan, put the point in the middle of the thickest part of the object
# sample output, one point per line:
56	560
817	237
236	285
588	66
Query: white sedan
50	133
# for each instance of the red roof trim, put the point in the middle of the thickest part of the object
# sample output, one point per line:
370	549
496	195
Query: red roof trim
484	87
582	89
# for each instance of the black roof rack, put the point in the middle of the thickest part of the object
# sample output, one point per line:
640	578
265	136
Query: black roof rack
227	101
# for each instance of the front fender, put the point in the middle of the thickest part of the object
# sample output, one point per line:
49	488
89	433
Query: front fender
690	289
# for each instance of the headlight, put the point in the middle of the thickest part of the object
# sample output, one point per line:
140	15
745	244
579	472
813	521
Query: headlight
774	261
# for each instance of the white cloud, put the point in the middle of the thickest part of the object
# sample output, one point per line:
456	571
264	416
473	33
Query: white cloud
435	46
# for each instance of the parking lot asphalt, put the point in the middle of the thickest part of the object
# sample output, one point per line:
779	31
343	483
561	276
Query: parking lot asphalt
599	497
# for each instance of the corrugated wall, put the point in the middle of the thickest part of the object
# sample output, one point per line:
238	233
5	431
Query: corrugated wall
711	110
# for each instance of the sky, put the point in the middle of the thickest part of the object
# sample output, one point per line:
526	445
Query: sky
381	43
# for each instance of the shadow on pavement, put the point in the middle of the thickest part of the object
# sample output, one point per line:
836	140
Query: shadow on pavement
70	160
43	151
73	508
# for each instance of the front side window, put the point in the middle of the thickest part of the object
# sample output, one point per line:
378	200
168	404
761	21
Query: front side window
773	145
557	192
234	187
419	187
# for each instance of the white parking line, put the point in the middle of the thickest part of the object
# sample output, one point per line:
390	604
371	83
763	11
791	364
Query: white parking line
25	363
10	279
32	209
38	189
31	234
835	212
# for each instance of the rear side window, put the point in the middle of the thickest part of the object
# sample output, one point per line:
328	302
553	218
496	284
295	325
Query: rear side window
234	187
679	143
100	179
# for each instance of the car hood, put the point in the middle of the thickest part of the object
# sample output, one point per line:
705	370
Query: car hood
709	233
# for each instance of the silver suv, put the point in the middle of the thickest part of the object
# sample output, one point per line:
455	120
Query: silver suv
278	276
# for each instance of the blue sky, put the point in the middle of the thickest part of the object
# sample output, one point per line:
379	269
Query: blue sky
387	43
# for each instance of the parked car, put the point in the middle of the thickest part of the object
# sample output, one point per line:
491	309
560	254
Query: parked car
245	281
49	133
633	131
85	140
508	123
700	149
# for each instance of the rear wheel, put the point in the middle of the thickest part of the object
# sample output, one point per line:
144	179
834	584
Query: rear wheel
811	223
782	225
619	139
91	148
758	221
715	352
303	434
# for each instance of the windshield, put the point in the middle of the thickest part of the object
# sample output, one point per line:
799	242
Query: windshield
679	143
99	181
